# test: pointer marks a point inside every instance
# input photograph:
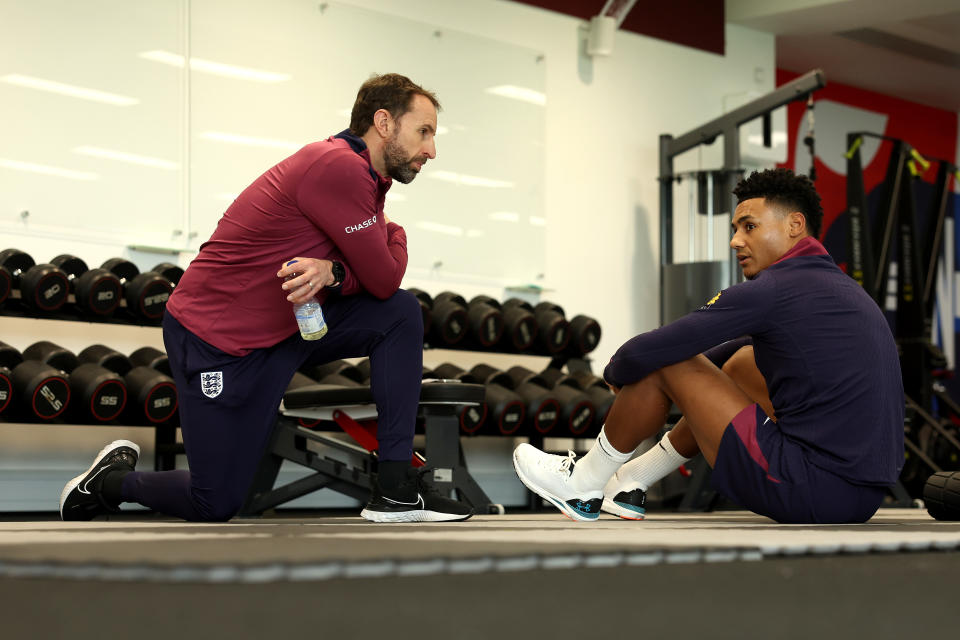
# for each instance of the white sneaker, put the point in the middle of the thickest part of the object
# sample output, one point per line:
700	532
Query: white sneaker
549	477
624	499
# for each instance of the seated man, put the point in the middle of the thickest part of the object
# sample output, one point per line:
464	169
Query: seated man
232	338
825	443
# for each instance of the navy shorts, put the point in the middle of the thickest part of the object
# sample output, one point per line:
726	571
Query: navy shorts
777	481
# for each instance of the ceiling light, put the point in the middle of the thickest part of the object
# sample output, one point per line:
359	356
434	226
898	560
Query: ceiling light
123	156
505	216
519	93
216	68
70	90
470	181
47	170
250	141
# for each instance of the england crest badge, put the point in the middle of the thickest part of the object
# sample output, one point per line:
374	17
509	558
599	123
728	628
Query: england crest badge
211	383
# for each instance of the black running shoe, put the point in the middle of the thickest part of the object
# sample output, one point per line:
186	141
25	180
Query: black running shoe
415	500
627	504
81	498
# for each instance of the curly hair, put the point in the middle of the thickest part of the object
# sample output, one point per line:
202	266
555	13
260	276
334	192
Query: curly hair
786	190
390	91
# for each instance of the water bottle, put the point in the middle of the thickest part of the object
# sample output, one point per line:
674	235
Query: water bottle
309	317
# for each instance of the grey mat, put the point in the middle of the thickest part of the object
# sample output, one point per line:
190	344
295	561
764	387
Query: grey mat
327	548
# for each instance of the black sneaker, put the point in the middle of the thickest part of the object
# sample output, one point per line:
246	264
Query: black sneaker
627	504
415	500
81	498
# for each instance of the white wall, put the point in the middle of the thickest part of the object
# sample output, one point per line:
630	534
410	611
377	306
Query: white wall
601	145
603	120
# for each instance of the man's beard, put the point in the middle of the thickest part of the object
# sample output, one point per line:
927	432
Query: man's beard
398	164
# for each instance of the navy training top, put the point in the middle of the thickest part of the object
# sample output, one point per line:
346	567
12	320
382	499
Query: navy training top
824	349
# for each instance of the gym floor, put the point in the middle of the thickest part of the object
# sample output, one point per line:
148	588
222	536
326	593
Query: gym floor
722	574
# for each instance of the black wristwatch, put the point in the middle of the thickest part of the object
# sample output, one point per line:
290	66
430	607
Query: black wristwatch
339	273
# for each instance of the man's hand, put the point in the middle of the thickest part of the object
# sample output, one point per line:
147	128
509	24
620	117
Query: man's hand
307	276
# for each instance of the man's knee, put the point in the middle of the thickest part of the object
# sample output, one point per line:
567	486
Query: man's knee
214	507
740	363
406	307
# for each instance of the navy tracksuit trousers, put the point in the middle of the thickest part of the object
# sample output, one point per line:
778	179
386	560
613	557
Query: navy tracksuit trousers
228	404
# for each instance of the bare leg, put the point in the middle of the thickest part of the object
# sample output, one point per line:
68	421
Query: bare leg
708	398
742	369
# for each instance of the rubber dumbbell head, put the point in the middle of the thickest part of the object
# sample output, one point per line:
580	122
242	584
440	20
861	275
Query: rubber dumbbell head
554	331
170	271
43	287
153	396
6	284
941	495
336	367
146	293
449	319
10	357
472	417
520	325
108	358
576	409
486	322
584	335
97	392
42	392
151	357
96	291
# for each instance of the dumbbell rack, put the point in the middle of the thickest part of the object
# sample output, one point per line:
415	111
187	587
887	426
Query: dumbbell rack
31	440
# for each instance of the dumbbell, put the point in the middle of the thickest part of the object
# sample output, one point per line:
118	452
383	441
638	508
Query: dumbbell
95	291
152	394
6	284
941	495
472	417
541	409
484	321
153	358
37	391
170	271
9	359
576	409
505	408
341	369
43	287
97	393
554	327
584	335
146	293
599	394
426	306
519	325
448	320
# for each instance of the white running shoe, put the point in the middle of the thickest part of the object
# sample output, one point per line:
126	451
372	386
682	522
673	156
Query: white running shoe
623	500
549	477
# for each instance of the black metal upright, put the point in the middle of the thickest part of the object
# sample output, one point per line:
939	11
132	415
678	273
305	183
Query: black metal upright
728	126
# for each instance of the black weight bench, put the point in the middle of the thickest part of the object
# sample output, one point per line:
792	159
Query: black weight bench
308	411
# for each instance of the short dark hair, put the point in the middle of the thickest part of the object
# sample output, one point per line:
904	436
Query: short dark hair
783	188
390	91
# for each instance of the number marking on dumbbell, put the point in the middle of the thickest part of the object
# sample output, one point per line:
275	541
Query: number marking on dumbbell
51	397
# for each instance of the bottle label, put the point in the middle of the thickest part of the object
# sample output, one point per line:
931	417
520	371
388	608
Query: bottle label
310	320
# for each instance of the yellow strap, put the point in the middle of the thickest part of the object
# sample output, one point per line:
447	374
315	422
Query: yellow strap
919	158
853	147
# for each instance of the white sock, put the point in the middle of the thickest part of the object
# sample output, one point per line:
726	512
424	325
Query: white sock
593	470
660	460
